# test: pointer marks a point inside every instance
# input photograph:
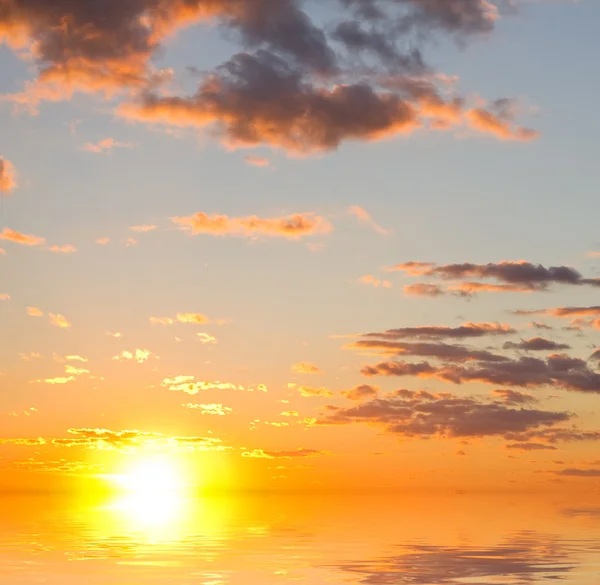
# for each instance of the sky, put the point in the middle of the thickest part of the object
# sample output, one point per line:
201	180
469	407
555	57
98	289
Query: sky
300	245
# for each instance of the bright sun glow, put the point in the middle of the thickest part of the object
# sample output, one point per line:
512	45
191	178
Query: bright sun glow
152	476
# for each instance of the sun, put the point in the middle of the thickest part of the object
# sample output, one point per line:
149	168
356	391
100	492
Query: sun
156	475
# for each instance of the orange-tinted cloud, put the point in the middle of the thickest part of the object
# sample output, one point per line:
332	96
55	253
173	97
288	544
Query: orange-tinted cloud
423	289
370	279
309	392
185	318
306	368
19	238
292	226
364	217
4	297
488	123
66	249
257	161
361	392
104	146
34	312
7	176
143	228
564	311
59	321
102	241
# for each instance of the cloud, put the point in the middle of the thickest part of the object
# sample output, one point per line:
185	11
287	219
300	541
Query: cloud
531	447
143	228
308	391
184	318
104	146
413	268
486	122
4	297
361	392
190	385
304	88
257	161
34	312
24	442
75	358
513	276
206	338
8	174
306	368
19	238
536	344
59	320
563	312
214	409
291	227
558	371
438	350
575	472
467	330
421	414
138	355
595	355
132	440
365	218
58	380
102	241
66	249
73	371
551	436
423	289
298	453
514	397
370	279
261	99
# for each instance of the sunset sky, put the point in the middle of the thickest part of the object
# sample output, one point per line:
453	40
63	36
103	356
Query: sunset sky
341	244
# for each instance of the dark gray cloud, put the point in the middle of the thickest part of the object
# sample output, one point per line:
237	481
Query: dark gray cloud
465	331
576	472
531	447
441	351
536	344
421	414
322	84
514	397
513	276
557	370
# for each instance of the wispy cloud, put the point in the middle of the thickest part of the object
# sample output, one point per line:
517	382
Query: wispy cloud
8	175
306	368
290	227
106	145
19	238
59	320
365	218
